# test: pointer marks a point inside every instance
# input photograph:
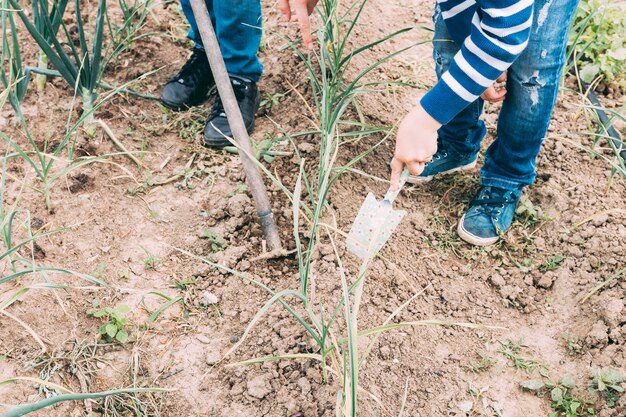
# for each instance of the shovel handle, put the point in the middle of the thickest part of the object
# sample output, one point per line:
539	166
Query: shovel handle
391	195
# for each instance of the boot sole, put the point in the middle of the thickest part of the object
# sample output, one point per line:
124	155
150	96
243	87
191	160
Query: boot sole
474	240
413	179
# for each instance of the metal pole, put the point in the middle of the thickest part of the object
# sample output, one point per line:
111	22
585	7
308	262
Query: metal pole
237	126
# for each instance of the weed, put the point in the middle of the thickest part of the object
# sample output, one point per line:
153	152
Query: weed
530	214
511	351
217	242
607	383
562	400
597	42
151	260
481	365
572	343
116	318
552	263
270	100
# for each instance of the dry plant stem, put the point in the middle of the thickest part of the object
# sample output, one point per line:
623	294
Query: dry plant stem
117	143
233	114
28	329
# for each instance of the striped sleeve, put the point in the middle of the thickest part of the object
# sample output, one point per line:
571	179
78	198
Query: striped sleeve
499	33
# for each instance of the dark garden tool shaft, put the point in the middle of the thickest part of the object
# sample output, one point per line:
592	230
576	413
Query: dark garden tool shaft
237	126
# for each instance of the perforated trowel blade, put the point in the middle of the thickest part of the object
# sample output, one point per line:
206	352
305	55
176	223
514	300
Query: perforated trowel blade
372	227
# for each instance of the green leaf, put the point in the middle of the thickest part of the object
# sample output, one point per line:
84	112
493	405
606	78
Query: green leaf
122	336
111	329
557	395
568	382
122	309
532	385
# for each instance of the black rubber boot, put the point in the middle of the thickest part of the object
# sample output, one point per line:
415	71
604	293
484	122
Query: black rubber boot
217	127
191	85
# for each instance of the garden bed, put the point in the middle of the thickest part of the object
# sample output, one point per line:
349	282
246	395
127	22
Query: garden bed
142	231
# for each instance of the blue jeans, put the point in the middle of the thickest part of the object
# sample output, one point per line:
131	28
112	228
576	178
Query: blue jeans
532	87
237	25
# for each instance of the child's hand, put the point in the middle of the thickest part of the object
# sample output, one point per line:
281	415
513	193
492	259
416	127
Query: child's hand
493	94
302	11
416	143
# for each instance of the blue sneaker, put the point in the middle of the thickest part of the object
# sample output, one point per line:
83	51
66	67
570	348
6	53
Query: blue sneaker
443	163
489	216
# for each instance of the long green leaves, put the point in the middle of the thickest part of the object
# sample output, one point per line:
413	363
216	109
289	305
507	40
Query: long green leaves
42	13
81	67
31	408
15	79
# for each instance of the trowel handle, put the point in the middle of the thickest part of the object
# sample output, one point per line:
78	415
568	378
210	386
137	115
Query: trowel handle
391	195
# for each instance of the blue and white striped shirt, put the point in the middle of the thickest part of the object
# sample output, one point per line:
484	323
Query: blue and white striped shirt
492	34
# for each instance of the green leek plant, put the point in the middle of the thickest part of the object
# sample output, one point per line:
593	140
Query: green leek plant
80	67
15	79
42	15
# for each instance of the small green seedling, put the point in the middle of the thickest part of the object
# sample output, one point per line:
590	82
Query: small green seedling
552	263
270	100
573	343
511	351
530	214
608	384
113	328
481	365
151	260
562	401
218	243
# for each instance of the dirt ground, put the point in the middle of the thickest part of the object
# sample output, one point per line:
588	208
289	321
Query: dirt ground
140	237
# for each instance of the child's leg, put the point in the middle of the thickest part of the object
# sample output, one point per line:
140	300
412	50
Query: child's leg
193	33
462	136
237	25
239	28
532	87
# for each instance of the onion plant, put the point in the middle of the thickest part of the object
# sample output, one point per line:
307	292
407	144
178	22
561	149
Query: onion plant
80	66
12	72
42	14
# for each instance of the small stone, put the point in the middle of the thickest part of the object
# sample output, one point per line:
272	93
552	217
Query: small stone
598	335
546	280
238	204
304	385
209	298
497	281
213	357
258	387
600	220
306	147
234	339
612	312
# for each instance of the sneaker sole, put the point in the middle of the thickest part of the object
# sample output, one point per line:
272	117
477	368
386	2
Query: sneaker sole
419	180
474	240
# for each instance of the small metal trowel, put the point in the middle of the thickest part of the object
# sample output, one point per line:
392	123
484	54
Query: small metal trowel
375	223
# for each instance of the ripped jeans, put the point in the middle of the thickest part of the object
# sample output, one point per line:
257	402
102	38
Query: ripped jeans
532	87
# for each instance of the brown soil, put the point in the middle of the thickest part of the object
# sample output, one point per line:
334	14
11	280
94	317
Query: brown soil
127	231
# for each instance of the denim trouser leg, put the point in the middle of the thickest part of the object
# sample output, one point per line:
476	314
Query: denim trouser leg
532	88
237	26
462	136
